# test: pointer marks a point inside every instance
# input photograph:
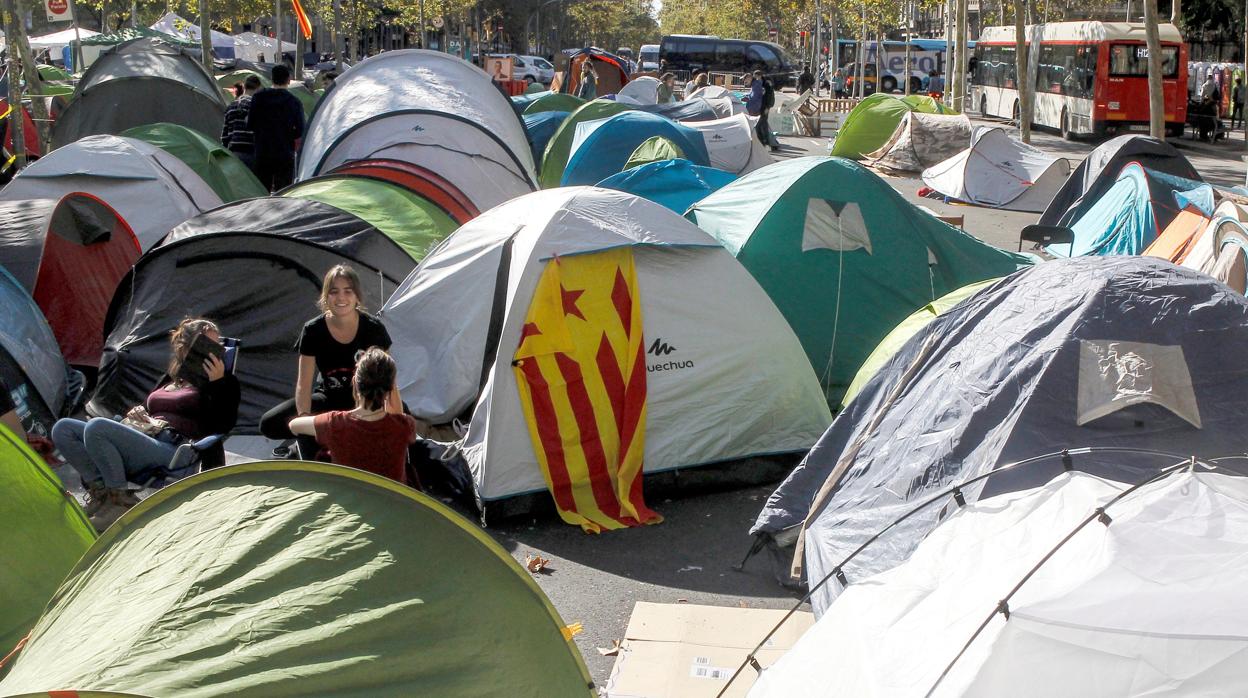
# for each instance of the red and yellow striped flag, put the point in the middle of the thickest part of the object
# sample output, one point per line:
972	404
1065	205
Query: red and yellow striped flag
581	371
302	17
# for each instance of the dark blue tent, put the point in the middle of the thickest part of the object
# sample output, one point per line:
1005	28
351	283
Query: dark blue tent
31	367
1083	352
1132	213
539	128
691	110
606	150
676	184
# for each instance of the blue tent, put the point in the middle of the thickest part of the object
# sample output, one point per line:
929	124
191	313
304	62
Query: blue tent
539	128
31	367
1131	213
605	151
676	184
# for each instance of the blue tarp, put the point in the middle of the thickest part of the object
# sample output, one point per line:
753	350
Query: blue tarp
1128	217
691	110
676	184
607	149
28	342
539	128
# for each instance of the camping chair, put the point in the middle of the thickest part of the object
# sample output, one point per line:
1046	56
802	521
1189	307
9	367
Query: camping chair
1045	235
186	461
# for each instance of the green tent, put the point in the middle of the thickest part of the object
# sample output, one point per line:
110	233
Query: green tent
559	149
306	97
408	218
54	74
842	255
553	101
873	121
907	329
225	173
534	88
295	579
227	80
121	36
653	149
45	532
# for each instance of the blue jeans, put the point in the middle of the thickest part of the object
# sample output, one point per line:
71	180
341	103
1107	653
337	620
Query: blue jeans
107	452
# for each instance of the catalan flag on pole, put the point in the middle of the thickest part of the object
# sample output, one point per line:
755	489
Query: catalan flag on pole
302	17
581	371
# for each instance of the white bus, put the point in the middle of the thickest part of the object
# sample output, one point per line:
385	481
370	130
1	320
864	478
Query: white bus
1091	78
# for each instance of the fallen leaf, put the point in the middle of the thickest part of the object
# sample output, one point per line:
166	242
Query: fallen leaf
571	630
536	564
611	651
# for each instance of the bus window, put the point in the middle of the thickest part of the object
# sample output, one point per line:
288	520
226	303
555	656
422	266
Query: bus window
729	57
1132	60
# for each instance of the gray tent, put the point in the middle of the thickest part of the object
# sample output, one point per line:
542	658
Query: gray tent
922	140
143	81
1099	171
1094	351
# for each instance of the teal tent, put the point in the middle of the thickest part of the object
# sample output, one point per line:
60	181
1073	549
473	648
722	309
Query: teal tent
676	184
559	149
843	256
45	532
298	579
219	168
870	125
539	128
607	148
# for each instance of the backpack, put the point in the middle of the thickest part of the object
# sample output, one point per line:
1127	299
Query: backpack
769	95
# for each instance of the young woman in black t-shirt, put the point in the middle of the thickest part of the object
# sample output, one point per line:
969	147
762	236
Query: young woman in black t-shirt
327	349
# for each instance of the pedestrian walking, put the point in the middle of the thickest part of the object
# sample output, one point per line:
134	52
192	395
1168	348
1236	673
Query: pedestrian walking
236	136
667	88
1237	103
276	122
762	99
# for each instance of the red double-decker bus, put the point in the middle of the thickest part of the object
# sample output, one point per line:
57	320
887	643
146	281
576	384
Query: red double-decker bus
1091	78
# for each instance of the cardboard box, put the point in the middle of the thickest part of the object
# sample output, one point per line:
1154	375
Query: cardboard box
687	651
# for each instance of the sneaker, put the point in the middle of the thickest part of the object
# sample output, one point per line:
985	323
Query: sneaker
116	503
283	450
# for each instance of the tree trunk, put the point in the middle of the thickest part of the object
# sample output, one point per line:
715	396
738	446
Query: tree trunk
29	72
15	90
205	36
1021	75
959	69
908	38
337	34
1156	99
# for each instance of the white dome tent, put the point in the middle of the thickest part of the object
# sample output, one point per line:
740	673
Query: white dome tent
726	377
429	109
1000	172
1141	601
732	145
150	189
642	90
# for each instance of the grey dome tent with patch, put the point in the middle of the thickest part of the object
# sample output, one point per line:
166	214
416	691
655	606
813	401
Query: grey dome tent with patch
143	81
1085	352
254	267
922	140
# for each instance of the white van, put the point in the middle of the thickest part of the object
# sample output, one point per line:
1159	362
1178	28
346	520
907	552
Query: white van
648	57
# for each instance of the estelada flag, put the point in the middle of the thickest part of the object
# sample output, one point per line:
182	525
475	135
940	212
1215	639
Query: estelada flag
581	372
302	17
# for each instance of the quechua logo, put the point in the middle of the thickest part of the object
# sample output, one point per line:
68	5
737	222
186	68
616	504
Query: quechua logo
661	349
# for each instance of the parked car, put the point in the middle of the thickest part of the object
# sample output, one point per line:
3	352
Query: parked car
890	83
545	69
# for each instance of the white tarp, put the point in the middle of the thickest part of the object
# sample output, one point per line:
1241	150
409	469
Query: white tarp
1001	172
732	382
642	90
732	145
430	109
172	23
1149	604
257	48
150	189
60	39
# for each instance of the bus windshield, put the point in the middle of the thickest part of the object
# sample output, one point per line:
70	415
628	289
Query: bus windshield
1132	60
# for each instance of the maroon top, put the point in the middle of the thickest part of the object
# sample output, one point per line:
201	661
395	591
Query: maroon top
197	412
379	446
180	407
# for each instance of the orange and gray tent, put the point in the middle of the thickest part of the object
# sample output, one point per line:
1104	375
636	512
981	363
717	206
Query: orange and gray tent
69	255
416	179
143	81
45	532
428	109
611	70
296	579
